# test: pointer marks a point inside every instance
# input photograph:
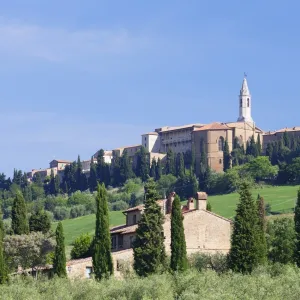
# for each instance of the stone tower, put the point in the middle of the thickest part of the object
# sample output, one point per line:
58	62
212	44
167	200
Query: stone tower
245	103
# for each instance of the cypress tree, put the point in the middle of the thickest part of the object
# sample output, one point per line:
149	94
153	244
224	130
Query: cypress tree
3	269
93	176
142	164
226	157
19	222
148	247
51	185
180	165
170	163
297	229
286	140
153	168
56	185
102	259
59	260
116	173
269	151
244	254
179	260
193	161
39	221
126	171
261	229
101	166
79	172
203	168
293	144
258	145
158	171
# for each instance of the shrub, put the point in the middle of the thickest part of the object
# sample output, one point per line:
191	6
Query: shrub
61	213
82	246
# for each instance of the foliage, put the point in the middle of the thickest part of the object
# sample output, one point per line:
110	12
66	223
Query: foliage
59	261
180	165
27	251
281	240
226	157
186	186
170	167
261	229
166	184
19	218
82	247
208	206
3	268
245	251
297	229
142	165
39	221
178	245
101	252
148	247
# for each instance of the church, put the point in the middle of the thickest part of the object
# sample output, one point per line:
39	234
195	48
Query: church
212	136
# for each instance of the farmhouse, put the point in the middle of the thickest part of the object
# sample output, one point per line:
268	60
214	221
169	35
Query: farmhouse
204	232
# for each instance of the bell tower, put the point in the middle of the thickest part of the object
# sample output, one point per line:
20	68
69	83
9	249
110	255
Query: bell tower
245	103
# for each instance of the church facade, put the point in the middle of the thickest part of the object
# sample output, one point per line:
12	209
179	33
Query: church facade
211	136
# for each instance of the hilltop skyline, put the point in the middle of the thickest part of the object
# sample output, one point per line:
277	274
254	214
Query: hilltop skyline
78	77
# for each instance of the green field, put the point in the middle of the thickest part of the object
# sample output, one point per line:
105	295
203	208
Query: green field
282	200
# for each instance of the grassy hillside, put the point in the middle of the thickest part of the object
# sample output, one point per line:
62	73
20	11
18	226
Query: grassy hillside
282	199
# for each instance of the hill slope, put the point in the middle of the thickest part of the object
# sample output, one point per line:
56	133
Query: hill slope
282	200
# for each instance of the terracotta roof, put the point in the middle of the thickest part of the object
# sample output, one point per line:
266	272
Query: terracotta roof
213	126
141	207
123	229
62	161
128	147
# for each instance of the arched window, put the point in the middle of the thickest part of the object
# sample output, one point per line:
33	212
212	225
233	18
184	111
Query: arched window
248	102
221	143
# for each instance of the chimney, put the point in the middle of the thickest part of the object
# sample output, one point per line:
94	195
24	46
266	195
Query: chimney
190	204
170	202
201	199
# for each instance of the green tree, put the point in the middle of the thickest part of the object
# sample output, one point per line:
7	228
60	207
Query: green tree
126	171
59	260
297	229
93	176
82	246
244	254
158	170
179	260
269	151
170	163
142	168
286	140
103	171
79	172
3	268
148	247
153	168
51	185
39	221
258	145
281	240
180	169
261	229
226	157
204	170
19	222
116	171
101	253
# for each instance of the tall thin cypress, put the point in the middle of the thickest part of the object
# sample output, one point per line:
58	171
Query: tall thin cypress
258	145
93	176
261	229
102	259
153	168
179	260
244	254
297	229
148	247
3	269
180	169
226	157
59	261
158	171
19	221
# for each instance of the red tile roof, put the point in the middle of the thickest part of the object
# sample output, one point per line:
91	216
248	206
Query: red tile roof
213	126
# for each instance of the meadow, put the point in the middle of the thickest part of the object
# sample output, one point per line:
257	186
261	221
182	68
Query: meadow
282	200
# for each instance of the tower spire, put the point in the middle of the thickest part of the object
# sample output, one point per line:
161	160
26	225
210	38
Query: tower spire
245	102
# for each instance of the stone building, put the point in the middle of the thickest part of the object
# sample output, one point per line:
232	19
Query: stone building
204	232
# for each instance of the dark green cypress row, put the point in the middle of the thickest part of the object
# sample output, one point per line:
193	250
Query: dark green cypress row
59	261
153	168
158	171
244	254
226	157
19	221
93	176
148	247
297	229
180	165
179	260
258	145
102	259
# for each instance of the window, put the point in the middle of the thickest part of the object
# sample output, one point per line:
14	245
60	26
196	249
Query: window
145	139
241	103
221	143
88	272
248	102
220	161
145	145
114	242
134	219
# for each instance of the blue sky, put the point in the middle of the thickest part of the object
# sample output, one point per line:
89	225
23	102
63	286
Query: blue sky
77	76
